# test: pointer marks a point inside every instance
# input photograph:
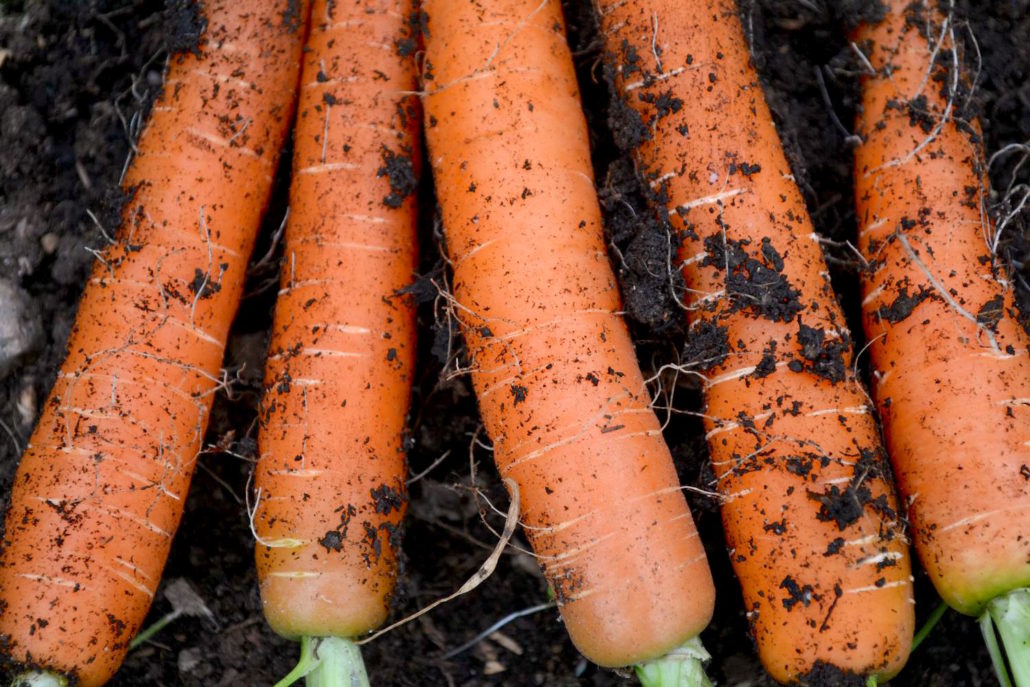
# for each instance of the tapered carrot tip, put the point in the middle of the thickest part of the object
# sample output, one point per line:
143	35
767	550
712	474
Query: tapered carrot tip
328	662
1009	614
682	667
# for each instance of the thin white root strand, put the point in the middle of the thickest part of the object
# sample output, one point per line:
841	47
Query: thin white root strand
480	576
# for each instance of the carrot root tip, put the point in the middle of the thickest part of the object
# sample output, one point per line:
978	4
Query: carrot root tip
1009	616
328	662
681	667
36	678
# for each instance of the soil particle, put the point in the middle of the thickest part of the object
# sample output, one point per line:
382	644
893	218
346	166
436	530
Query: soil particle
828	675
824	356
991	312
841	507
645	250
707	345
518	394
919	114
767	365
903	305
627	126
372	543
801	465
400	171
845	507
798	593
332	541
405	47
834	547
388	499
203	284
664	104
291	16
751	283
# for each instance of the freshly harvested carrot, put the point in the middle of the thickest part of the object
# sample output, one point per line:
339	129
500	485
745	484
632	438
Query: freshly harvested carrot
808	507
949	359
558	384
99	491
331	471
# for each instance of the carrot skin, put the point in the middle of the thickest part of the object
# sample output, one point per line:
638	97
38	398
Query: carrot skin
99	491
950	361
555	374
332	467
809	510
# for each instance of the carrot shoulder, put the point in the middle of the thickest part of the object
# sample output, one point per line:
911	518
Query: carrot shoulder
808	507
99	491
559	388
330	476
951	363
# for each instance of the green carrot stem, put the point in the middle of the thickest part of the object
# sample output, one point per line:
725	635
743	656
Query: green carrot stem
39	678
924	631
328	662
149	632
681	667
1010	614
997	658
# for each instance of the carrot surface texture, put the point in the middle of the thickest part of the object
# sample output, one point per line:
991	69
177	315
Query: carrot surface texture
330	478
559	388
808	506
99	491
950	361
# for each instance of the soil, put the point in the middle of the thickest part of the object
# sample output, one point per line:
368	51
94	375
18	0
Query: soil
75	82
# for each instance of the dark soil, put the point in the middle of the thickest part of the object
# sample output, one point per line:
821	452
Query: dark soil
75	81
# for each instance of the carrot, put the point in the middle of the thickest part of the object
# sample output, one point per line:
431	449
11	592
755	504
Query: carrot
330	476
949	359
808	507
559	389
99	491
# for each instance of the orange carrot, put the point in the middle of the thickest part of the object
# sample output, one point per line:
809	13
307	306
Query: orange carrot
330	477
559	388
99	491
808	507
949	359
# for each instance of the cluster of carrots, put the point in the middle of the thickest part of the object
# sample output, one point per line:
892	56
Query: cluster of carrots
818	532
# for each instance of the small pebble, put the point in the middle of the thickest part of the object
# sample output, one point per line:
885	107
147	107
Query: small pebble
49	242
26	404
493	667
21	332
189	659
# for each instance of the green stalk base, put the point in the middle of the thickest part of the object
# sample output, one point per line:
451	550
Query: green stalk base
1010	614
928	626
35	678
328	662
681	667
